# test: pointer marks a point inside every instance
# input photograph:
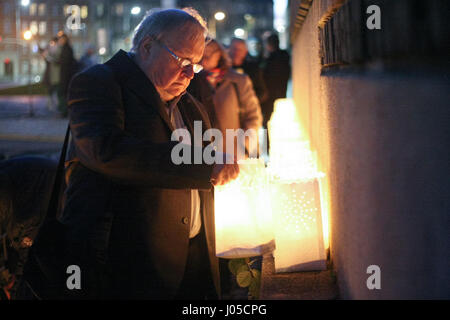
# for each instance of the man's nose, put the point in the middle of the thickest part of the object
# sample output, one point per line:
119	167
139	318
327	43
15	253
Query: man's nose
188	72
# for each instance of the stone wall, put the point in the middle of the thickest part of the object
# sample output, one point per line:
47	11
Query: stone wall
375	105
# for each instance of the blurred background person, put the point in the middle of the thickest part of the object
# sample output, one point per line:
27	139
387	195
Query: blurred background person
244	63
235	103
203	92
276	73
52	73
68	67
89	58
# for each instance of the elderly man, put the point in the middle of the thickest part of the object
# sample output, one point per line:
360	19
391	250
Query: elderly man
141	226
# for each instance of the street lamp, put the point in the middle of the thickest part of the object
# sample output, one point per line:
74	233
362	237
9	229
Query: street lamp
27	35
219	16
239	33
135	10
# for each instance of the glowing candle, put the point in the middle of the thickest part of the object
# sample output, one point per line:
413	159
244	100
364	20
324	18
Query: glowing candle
243	215
298	226
296	196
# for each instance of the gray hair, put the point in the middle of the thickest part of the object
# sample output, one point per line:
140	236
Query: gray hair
156	24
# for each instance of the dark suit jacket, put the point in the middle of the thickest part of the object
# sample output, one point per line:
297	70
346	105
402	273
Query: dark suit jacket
68	67
251	67
124	193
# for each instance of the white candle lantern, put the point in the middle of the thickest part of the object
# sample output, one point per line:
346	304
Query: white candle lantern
295	194
298	226
243	214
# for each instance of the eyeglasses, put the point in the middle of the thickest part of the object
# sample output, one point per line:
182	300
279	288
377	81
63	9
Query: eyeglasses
182	62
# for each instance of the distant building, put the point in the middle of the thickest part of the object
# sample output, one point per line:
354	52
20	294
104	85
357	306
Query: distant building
106	24
44	18
253	16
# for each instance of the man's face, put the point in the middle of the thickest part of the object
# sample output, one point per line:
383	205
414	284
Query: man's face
168	77
238	51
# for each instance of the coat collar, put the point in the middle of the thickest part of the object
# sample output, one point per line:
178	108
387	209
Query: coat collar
130	75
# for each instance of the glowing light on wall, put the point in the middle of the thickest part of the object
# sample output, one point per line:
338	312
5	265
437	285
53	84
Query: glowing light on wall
296	196
290	156
285	201
243	216
298	226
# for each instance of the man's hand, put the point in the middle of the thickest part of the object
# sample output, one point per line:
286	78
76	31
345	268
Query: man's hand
224	173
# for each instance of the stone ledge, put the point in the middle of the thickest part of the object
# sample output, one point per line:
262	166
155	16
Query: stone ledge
311	285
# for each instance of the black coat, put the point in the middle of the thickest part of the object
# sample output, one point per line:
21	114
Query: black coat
68	67
124	193
204	92
276	72
251	67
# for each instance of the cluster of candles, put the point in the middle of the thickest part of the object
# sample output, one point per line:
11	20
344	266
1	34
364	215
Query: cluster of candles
281	202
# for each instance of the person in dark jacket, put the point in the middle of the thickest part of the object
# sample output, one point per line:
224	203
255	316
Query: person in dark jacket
243	63
140	226
52	73
89	58
68	67
203	92
276	73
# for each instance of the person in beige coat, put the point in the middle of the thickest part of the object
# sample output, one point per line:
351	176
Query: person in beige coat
235	103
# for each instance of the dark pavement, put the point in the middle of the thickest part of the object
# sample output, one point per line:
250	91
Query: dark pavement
23	134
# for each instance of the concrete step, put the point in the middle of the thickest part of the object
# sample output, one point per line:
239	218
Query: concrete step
311	285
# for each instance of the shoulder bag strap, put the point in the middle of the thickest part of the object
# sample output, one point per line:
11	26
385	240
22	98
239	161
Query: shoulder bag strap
52	209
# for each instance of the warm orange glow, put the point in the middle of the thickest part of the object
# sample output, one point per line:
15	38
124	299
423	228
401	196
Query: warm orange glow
243	215
325	209
298	226
27	35
299	201
287	201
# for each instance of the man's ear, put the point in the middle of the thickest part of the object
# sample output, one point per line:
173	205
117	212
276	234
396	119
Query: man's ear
146	45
